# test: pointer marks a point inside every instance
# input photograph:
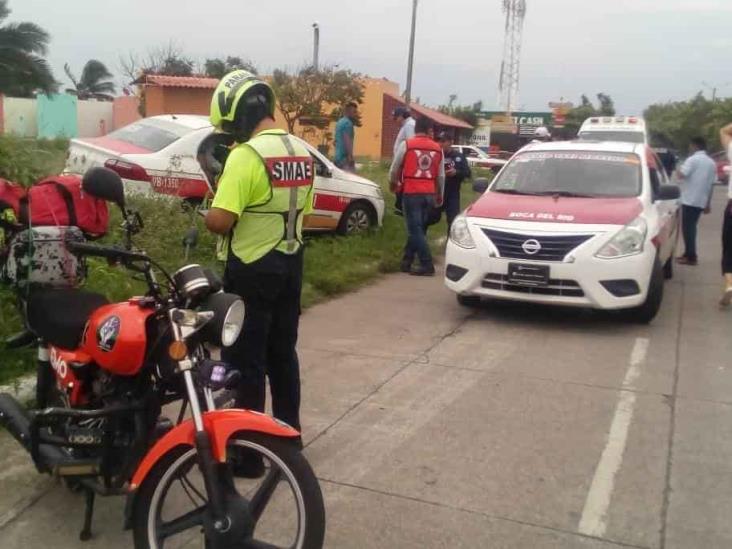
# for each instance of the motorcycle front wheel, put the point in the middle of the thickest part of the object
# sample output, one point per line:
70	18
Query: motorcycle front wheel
275	504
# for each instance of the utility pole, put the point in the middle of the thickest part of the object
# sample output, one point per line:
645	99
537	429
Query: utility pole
715	88
410	64
316	44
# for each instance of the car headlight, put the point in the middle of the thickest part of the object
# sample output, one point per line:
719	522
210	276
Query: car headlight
460	233
228	319
628	241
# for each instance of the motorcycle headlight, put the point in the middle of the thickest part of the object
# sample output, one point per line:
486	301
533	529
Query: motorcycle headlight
628	241
460	233
228	319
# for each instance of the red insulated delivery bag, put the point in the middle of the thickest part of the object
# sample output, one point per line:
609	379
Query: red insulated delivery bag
60	200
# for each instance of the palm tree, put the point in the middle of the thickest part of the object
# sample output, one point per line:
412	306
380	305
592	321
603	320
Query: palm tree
94	82
23	70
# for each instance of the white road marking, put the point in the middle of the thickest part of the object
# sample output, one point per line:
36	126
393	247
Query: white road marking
594	514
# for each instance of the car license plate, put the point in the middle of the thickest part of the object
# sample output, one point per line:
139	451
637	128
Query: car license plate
528	275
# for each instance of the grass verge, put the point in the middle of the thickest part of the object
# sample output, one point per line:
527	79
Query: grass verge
333	265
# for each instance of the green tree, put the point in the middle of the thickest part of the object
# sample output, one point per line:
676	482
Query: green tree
218	67
95	81
674	124
586	109
315	96
466	113
23	69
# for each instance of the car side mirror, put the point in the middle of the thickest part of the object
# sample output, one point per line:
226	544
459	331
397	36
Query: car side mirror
668	192
322	170
105	184
481	184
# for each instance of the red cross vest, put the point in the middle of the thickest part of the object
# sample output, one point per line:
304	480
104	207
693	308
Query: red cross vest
421	166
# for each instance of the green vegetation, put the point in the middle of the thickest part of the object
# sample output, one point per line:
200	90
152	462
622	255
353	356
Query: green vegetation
333	265
27	160
674	124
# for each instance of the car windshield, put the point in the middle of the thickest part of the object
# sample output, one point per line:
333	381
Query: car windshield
153	136
612	135
571	173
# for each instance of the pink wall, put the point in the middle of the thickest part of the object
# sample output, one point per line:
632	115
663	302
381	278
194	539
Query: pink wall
125	111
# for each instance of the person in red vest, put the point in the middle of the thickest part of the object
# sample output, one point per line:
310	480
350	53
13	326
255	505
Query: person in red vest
418	172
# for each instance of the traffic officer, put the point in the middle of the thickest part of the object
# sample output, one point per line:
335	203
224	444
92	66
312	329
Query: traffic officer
457	170
265	189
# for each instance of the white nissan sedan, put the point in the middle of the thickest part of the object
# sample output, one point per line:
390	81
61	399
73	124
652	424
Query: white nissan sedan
570	223
158	155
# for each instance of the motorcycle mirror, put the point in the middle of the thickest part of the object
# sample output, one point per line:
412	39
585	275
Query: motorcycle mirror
105	184
190	240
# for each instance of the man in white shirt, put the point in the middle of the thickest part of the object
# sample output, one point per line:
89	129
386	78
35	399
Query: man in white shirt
697	174
405	120
725	136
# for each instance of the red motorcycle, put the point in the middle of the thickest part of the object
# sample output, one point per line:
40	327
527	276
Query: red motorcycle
107	375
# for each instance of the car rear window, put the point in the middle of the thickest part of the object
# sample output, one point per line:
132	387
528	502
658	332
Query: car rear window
572	173
613	135
153	136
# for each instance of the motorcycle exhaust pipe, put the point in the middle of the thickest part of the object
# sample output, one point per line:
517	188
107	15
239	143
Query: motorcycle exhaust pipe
14	417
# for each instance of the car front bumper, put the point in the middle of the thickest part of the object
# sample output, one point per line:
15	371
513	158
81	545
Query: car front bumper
584	281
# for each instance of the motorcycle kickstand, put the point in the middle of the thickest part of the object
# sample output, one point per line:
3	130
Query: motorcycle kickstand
86	533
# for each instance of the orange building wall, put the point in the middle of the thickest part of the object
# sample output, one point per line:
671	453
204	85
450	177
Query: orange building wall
163	100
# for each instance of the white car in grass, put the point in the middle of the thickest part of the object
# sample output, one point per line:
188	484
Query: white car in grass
158	154
570	223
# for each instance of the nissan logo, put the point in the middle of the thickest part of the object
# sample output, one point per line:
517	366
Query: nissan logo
531	247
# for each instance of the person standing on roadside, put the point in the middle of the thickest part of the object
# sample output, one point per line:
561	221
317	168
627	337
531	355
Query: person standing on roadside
403	117
457	170
698	175
418	172
345	137
264	192
725	136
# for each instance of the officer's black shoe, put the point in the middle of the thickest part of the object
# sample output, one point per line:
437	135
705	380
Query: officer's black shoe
423	270
247	464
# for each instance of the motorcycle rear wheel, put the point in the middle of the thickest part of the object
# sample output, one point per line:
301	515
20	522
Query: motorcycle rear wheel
285	465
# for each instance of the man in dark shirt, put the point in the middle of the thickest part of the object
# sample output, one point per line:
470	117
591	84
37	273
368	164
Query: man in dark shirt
457	170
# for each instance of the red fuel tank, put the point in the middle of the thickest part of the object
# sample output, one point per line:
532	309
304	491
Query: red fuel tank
116	338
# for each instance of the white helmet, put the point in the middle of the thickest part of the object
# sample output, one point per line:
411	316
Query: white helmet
542	133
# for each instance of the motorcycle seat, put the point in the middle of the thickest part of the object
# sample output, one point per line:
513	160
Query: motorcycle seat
58	316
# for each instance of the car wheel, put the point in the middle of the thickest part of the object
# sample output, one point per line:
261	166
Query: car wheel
650	307
358	218
668	268
468	300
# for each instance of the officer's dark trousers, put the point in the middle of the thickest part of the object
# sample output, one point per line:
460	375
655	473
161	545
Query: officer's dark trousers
271	290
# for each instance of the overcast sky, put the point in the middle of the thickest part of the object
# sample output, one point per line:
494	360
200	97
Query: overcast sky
638	51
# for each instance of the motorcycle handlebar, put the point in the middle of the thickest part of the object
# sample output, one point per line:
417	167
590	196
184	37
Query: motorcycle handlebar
114	254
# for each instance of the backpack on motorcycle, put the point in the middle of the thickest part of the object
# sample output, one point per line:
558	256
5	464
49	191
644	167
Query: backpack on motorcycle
39	257
61	201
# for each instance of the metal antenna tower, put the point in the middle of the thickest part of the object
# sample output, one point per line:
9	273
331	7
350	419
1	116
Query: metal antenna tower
508	85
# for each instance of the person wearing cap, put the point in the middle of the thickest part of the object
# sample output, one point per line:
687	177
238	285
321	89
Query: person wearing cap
418	172
403	117
541	135
264	191
457	170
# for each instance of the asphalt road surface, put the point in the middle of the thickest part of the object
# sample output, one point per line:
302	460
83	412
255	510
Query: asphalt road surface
431	425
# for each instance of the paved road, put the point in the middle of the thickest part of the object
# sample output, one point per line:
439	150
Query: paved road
435	426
